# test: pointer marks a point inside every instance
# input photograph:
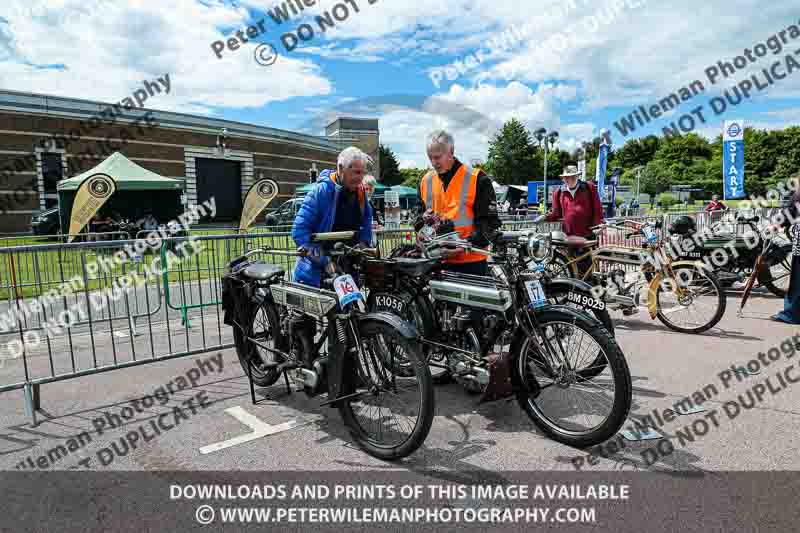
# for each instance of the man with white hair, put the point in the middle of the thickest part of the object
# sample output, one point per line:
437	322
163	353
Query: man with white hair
458	192
338	202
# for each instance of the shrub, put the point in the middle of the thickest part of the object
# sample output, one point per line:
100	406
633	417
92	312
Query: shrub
667	199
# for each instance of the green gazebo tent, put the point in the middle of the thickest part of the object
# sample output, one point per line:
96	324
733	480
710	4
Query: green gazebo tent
305	189
135	191
408	196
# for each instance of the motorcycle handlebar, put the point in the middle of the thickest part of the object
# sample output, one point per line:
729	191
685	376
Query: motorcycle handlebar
466	246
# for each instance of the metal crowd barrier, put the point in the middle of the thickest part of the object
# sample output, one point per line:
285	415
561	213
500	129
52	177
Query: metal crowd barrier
22	239
136	328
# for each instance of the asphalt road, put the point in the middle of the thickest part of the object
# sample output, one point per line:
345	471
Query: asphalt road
465	438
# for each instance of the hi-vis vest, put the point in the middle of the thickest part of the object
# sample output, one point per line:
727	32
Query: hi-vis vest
362	198
456	203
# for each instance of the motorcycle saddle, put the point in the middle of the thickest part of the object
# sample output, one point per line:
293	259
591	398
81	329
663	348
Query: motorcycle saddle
262	271
579	242
414	267
561	238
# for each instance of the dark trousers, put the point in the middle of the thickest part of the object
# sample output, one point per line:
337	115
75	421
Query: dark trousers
791	304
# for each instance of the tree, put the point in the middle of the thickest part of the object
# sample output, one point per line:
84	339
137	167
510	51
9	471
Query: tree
636	152
511	154
655	178
390	170
411	176
788	166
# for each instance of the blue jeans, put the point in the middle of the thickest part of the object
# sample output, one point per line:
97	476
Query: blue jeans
791	304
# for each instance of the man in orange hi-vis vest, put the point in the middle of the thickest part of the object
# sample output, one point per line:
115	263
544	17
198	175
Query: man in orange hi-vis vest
456	191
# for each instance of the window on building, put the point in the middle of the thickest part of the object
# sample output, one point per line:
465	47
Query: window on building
52	173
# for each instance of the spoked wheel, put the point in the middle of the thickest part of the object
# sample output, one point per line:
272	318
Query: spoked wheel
394	413
576	410
700	306
777	278
418	311
265	330
558	267
559	295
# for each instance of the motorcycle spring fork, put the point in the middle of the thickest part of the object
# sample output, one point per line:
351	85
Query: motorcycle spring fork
341	334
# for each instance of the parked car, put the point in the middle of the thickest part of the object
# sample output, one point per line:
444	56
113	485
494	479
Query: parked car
45	222
285	214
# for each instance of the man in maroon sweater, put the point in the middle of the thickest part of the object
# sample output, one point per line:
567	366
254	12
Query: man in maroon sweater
576	204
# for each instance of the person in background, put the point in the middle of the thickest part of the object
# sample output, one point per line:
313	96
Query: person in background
457	192
99	224
377	214
338	202
369	187
791	304
716	204
576	204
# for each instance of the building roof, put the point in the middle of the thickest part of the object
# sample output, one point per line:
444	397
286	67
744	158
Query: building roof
349	124
86	109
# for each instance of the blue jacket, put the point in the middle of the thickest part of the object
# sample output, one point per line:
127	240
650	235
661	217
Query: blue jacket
317	215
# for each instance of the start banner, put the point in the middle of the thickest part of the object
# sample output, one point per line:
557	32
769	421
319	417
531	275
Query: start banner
733	159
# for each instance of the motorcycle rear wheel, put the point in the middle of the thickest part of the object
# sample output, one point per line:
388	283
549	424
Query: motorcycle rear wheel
265	328
776	277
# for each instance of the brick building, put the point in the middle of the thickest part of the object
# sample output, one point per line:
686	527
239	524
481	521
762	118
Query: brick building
175	145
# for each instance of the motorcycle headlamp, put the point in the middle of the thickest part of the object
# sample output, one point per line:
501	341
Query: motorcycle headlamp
538	247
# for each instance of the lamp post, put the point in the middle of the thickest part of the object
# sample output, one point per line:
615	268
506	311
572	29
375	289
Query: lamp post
584	145
544	139
638	179
222	139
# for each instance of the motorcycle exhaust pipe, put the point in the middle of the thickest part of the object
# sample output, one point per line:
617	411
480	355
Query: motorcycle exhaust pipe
626	301
307	378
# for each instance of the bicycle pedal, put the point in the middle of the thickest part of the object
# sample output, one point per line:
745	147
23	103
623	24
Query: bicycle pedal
628	311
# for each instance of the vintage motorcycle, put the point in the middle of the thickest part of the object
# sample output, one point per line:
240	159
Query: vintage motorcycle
774	274
370	364
771	252
685	296
496	335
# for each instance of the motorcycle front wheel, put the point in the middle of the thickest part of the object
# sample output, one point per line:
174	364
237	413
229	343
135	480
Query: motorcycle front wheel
559	295
548	366
392	416
777	275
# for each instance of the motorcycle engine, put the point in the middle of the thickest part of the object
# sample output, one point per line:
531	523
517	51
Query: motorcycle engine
473	378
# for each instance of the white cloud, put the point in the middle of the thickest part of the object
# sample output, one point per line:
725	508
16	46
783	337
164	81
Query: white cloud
650	51
108	49
473	115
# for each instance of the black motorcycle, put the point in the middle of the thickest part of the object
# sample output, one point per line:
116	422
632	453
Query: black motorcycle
499	336
370	364
739	266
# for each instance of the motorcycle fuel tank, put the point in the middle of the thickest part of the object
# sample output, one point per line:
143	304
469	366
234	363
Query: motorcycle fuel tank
309	300
483	297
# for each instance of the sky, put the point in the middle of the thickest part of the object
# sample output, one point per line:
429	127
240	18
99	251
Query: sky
571	66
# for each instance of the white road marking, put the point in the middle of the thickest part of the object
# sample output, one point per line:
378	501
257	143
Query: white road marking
646	433
259	427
